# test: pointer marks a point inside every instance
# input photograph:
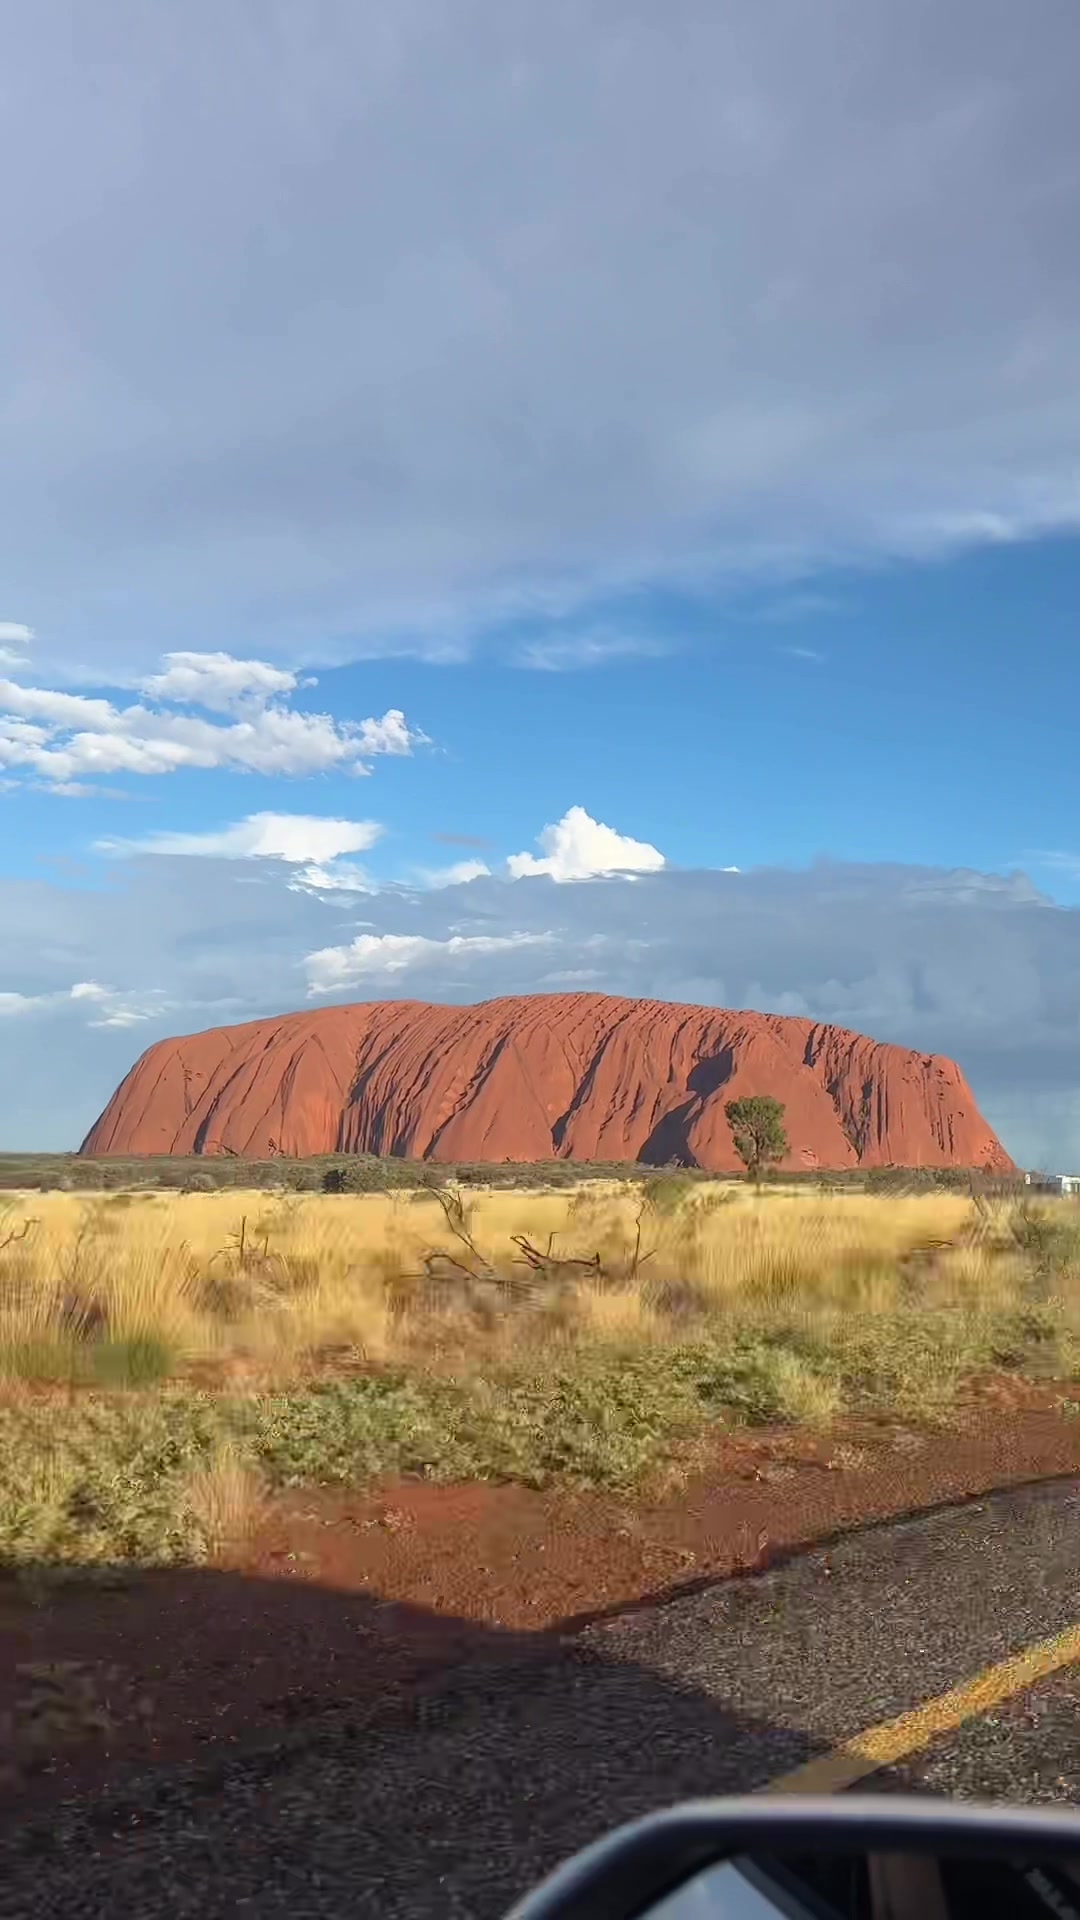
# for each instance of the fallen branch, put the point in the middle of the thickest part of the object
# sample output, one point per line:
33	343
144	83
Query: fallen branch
17	1233
555	1274
546	1262
437	1255
454	1210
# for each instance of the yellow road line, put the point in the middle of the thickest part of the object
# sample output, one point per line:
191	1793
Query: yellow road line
894	1740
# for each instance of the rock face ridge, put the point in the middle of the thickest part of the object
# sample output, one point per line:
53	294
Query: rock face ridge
578	1076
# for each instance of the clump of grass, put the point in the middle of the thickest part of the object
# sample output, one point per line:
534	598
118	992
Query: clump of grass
667	1193
224	1499
50	1357
131	1360
1050	1239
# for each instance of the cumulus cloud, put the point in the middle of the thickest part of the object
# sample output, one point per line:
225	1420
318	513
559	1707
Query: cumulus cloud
578	847
457	875
341	876
217	681
391	734
823	299
52	735
374	955
295	838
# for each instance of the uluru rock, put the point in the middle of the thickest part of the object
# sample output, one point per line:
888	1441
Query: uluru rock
577	1076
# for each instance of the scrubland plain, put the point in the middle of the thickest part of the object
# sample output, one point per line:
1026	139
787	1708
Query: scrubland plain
168	1361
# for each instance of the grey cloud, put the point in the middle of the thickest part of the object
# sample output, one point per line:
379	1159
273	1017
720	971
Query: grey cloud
327	324
980	967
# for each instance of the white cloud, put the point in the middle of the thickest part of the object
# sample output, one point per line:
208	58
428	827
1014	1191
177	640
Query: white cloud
56	709
16	733
296	838
344	876
112	1008
572	651
14	1004
457	875
580	848
391	734
115	1008
373	956
217	681
64	737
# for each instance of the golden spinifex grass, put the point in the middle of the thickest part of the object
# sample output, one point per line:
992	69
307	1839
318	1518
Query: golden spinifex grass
241	1286
271	1287
164	1358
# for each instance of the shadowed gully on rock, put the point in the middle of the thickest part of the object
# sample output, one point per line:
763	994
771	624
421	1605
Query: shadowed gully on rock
577	1076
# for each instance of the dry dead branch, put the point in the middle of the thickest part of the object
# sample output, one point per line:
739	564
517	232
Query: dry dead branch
638	1259
454	1211
549	1262
13	1238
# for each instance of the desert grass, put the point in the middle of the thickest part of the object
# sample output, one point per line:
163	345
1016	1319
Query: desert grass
224	1499
167	1359
208	1274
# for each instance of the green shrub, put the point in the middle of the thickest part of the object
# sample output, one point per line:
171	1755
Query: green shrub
132	1360
46	1359
666	1193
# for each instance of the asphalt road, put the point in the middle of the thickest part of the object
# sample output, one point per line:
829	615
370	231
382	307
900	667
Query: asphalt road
455	1807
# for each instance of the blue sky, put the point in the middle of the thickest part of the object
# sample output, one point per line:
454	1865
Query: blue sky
469	483
916	713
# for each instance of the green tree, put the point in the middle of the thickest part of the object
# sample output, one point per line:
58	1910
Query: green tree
757	1126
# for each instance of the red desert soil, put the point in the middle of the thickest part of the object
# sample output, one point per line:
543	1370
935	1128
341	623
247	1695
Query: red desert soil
578	1076
350	1604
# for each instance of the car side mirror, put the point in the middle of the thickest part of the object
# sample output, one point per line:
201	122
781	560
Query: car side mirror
868	1857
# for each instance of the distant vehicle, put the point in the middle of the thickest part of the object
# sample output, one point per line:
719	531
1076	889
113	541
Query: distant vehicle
1054	1182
